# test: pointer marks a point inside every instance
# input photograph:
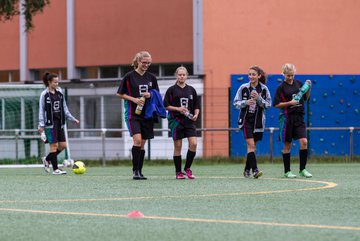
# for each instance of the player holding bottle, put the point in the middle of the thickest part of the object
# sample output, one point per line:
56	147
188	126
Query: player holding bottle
183	110
292	125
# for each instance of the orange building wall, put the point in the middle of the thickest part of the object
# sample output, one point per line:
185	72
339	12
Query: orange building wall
319	37
112	32
9	48
47	42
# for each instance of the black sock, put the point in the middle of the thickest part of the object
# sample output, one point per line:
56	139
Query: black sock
286	159
303	154
142	157
247	165
189	159
251	158
52	157
136	155
177	163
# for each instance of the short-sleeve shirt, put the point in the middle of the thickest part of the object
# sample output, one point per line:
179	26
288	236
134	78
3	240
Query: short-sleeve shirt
284	93
134	84
181	97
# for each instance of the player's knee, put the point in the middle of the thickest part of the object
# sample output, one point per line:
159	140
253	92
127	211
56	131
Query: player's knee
303	143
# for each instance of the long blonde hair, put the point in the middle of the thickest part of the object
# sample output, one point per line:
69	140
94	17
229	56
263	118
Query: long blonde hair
138	57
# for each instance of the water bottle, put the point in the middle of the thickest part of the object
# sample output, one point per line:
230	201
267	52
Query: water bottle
252	107
139	108
189	115
43	136
306	86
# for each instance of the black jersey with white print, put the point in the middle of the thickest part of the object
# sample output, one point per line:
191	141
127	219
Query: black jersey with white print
134	84
181	97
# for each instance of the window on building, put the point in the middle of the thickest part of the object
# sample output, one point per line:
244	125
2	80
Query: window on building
154	69
109	72
14	76
37	74
169	69
4	76
88	72
125	69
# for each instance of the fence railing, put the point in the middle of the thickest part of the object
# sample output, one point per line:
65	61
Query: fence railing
31	134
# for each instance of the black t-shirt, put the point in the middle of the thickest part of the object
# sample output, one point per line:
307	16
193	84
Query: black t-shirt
181	97
134	84
56	107
285	92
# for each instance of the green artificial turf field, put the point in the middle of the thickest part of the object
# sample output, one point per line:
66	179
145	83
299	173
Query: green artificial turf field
218	205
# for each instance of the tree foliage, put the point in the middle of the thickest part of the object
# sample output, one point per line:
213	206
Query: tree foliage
10	8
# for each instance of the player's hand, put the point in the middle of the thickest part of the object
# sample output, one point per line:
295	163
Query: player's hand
40	130
293	102
254	95
77	121
147	95
182	109
195	118
250	102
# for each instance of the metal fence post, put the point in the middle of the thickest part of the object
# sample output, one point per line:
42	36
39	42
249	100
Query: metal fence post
351	129
103	135
17	132
271	144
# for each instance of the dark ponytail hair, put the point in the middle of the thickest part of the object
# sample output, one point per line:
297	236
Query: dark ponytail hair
48	77
260	72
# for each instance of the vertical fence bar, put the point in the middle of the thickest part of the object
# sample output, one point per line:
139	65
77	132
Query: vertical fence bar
103	136
271	144
351	129
17	131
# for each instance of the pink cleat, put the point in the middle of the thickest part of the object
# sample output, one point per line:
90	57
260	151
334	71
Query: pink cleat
189	173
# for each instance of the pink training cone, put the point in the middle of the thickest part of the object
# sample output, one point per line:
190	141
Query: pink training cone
135	214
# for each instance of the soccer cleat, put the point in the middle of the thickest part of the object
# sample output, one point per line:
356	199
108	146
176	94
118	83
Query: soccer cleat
46	164
58	172
257	173
136	175
142	177
189	173
305	173
180	175
247	173
289	174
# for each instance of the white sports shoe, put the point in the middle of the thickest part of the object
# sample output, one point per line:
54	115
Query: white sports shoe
46	164
59	172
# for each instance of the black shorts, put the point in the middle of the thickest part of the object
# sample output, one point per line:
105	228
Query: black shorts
182	128
292	127
141	126
56	133
248	131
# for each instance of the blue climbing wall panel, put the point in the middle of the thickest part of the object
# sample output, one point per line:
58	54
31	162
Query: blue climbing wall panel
334	102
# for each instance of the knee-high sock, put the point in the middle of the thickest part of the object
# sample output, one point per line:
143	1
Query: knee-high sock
251	158
177	163
303	154
247	164
286	160
189	158
136	153
52	157
142	157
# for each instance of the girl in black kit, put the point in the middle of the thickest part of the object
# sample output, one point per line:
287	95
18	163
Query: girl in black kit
53	112
292	125
183	110
136	84
253	98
